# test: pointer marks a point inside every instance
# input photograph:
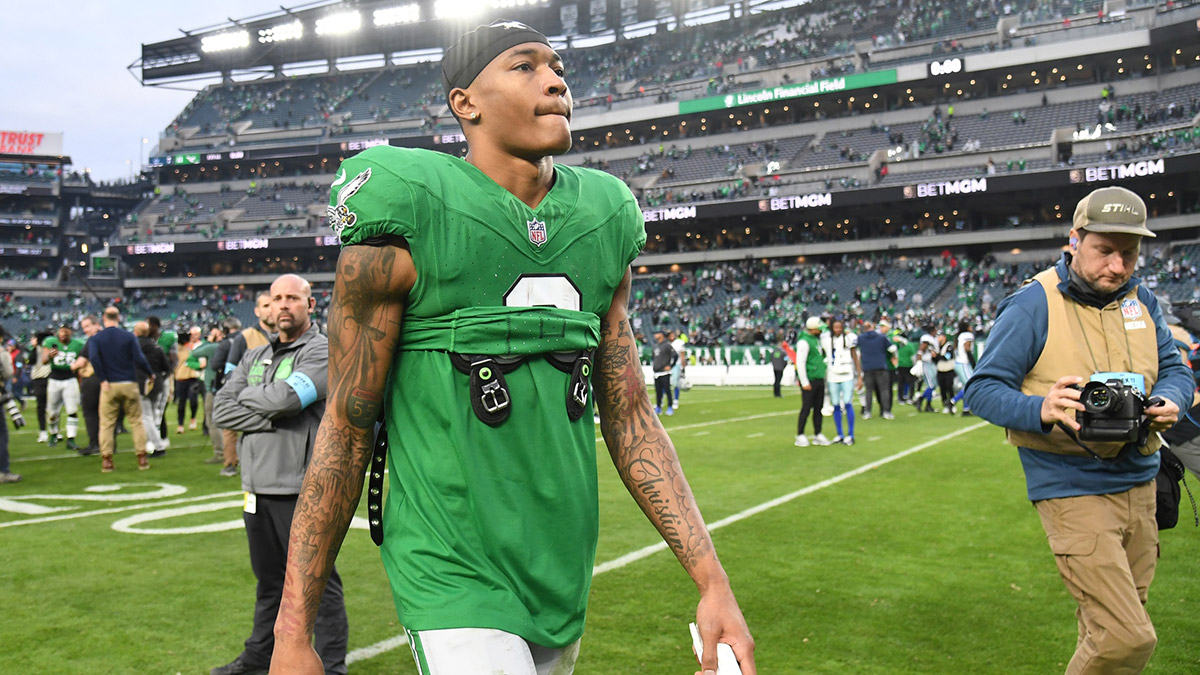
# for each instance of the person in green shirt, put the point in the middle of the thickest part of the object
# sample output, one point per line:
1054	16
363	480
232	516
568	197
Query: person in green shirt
62	391
198	360
475	301
168	340
906	350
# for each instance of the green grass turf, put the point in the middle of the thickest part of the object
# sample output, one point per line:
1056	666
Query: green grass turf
932	563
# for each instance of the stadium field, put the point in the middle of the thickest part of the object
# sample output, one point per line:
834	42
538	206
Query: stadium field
913	551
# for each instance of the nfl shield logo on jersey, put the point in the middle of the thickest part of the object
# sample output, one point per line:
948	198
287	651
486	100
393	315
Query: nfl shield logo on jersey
537	232
1130	309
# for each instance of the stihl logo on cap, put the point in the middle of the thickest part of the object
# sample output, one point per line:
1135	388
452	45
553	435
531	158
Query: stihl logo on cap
1118	207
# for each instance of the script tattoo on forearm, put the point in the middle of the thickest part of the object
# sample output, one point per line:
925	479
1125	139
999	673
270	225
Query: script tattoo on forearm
364	328
641	450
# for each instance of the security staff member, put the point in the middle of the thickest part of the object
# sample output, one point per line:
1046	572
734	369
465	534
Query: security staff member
275	398
1088	314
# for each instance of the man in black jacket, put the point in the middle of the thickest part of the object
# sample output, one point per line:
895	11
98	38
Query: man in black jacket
156	444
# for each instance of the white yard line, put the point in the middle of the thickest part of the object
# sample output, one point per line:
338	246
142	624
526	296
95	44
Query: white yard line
710	423
119	509
632	557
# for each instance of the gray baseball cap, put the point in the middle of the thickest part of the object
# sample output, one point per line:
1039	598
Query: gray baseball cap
1112	210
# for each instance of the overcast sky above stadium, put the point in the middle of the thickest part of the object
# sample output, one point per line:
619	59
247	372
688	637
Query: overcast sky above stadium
66	71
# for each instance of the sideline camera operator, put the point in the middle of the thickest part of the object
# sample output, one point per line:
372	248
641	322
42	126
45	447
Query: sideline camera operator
1087	317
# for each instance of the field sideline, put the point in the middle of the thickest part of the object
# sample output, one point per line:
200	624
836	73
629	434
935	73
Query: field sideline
912	551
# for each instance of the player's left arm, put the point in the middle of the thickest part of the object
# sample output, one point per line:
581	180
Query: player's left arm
647	462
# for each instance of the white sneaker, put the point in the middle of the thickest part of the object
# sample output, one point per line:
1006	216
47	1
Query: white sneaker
820	439
849	440
888	416
838	439
675	405
43	437
947	411
801	441
596	419
866	415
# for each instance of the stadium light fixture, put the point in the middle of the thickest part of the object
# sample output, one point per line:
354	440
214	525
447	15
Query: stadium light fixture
341	23
394	16
510	4
458	9
282	32
223	42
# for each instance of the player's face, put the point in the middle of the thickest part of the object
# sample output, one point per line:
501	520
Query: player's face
1106	260
87	326
64	335
524	102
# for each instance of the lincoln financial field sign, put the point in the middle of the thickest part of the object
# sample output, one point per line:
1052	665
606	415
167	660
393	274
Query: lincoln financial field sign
789	91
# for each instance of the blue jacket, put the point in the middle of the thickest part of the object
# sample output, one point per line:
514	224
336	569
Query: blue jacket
994	393
873	348
114	353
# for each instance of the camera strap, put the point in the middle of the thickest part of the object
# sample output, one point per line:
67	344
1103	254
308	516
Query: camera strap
1071	434
1178	468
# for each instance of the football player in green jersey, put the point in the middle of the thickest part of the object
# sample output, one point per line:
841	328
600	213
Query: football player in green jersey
472	300
62	390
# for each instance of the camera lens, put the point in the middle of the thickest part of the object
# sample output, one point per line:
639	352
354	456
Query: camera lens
1099	399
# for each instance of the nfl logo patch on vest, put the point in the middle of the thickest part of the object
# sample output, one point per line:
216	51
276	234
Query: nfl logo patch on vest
1130	309
537	232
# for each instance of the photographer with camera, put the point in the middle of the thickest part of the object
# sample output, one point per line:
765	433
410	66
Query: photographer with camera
11	409
1089	449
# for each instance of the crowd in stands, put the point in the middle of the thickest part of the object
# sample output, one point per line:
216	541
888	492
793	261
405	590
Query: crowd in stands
630	69
734	303
29	173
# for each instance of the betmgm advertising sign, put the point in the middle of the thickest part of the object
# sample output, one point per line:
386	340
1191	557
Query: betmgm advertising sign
1109	172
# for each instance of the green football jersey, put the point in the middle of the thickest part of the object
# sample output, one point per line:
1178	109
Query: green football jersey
67	353
490	527
167	340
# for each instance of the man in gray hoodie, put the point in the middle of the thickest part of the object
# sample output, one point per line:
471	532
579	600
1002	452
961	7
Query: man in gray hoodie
274	399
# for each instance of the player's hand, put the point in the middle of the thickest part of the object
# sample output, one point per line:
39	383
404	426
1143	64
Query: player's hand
295	658
719	619
104	387
1061	402
806	387
1163	416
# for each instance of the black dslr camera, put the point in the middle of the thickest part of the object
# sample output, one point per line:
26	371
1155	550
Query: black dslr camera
1113	412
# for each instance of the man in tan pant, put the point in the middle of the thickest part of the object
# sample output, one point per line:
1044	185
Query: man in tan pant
1088	319
116	356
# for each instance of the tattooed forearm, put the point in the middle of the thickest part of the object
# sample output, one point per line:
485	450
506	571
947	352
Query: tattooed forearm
640	448
364	330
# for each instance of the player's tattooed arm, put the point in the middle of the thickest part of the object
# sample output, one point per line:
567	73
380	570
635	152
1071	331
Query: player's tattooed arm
647	463
371	285
643	454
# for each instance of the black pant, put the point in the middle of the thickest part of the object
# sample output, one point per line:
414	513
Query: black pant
187	391
945	382
267	531
89	394
879	383
39	393
662	385
812	400
907	387
778	381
